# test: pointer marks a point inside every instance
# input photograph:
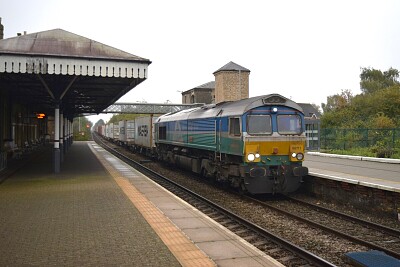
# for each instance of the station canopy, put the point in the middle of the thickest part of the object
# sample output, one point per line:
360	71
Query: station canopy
57	67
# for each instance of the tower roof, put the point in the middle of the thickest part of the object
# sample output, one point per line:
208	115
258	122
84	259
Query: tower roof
232	66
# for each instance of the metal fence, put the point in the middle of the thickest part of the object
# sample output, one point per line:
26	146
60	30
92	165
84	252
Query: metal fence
359	138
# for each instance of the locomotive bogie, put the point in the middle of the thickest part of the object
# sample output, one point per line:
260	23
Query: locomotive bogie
259	180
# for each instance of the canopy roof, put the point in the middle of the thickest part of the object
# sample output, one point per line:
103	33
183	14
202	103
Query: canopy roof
58	67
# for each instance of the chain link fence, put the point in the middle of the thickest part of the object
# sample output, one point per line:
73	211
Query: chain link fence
345	139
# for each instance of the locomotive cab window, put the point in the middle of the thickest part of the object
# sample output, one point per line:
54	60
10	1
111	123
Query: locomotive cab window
234	126
259	124
162	132
289	124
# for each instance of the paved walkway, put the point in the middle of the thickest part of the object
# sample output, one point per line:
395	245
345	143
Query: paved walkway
79	217
370	172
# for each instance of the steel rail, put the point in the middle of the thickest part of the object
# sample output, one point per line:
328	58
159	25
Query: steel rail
327	229
376	226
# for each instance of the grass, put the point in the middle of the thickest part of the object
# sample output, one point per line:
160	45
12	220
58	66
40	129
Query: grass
78	137
364	152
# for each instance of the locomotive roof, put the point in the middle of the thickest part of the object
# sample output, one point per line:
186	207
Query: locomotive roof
231	108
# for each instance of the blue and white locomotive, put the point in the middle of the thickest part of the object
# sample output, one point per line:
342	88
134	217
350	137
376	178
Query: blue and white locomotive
255	144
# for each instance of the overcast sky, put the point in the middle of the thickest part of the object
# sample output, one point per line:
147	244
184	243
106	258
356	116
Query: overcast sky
305	50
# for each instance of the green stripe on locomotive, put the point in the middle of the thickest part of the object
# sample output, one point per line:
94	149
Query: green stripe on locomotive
202	134
198	134
230	145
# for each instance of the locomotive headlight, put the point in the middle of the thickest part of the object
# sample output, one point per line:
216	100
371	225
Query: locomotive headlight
252	152
296	152
300	156
251	157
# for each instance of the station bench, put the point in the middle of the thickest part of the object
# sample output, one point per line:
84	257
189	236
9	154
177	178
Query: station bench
12	149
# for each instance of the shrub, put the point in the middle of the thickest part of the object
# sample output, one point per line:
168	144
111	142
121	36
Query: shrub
381	150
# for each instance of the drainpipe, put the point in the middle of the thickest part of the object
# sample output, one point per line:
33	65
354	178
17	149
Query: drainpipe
1	30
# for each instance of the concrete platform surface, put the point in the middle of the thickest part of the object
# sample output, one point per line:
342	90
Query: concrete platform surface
98	211
382	174
79	217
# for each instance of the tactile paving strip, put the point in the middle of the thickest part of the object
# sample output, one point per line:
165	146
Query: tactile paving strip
187	253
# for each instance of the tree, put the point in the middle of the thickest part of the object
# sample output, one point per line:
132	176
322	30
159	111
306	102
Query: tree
317	107
337	101
381	121
81	128
373	80
124	116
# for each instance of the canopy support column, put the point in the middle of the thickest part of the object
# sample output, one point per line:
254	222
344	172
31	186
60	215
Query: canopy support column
71	131
62	152
66	135
56	151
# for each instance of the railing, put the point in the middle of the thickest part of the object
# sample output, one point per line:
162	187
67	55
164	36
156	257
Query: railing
148	108
359	138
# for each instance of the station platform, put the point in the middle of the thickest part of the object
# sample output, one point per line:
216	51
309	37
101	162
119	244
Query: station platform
99	211
376	173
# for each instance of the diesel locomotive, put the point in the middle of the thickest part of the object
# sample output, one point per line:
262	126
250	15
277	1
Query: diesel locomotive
255	144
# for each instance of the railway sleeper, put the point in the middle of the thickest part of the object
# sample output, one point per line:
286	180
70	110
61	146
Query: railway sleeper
242	231
274	250
260	243
287	258
250	237
233	227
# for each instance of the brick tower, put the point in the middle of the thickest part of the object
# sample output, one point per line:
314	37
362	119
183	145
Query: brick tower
231	83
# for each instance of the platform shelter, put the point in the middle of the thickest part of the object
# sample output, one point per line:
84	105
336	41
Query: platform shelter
61	75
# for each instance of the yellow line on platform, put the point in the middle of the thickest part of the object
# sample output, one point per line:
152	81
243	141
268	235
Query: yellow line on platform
185	251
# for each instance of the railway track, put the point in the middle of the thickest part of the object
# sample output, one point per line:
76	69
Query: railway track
284	251
365	233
